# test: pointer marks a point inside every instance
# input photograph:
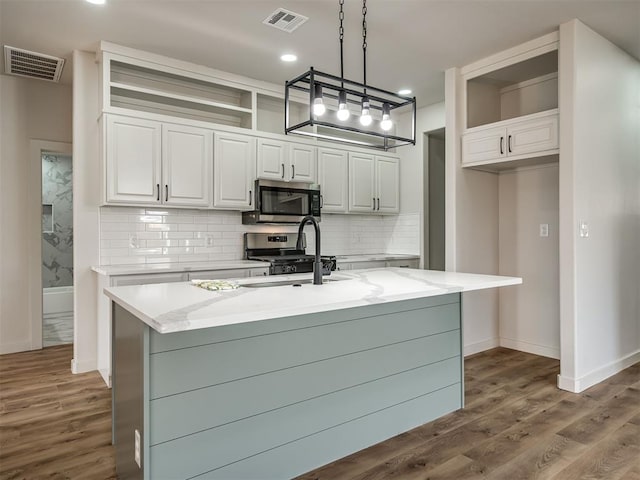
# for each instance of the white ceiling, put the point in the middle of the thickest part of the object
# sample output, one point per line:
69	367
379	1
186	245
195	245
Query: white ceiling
410	43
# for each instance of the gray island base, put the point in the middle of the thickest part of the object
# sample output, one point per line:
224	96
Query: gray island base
273	399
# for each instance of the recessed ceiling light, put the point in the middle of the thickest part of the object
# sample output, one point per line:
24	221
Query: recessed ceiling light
288	57
97	2
404	91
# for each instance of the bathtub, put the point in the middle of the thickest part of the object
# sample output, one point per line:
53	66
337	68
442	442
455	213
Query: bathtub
57	301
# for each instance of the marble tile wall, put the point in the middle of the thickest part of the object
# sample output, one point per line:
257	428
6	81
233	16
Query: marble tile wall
130	235
57	236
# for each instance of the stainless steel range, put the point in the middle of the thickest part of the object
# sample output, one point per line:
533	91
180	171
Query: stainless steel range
279	249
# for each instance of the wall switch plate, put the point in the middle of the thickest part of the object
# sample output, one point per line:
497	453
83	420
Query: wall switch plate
544	229
133	240
583	229
136	448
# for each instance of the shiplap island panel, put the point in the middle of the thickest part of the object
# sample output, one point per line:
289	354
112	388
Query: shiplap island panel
271	382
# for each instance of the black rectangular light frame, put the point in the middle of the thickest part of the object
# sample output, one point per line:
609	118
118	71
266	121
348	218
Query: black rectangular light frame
331	86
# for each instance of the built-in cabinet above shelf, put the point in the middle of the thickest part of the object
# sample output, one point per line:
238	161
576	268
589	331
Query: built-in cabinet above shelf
511	114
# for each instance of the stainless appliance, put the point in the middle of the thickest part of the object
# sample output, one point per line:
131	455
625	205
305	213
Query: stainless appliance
283	202
280	250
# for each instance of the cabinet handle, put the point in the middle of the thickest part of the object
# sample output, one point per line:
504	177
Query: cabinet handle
378	203
509	144
166	193
501	145
250	198
283	170
158	196
374	203
293	172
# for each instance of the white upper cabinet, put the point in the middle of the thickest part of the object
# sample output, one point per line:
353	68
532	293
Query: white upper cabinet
234	166
531	136
374	184
302	163
133	160
333	174
187	164
287	162
362	183
272	159
387	183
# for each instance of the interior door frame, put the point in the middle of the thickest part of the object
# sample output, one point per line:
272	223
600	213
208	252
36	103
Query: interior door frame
34	218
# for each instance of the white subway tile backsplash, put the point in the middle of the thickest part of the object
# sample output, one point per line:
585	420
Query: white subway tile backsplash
175	235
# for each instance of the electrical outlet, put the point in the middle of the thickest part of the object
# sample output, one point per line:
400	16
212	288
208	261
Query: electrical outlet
544	229
136	448
209	240
584	229
133	240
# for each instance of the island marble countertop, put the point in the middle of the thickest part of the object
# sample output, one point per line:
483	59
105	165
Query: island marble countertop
372	257
177	307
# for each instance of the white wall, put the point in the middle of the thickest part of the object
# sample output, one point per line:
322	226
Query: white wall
86	198
29	109
530	314
600	185
411	157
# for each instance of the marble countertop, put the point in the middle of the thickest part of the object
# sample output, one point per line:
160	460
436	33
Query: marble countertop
176	307
143	268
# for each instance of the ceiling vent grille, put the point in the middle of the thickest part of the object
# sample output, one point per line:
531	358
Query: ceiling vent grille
31	64
285	20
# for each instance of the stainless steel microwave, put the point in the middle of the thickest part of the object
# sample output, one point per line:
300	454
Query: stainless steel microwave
283	202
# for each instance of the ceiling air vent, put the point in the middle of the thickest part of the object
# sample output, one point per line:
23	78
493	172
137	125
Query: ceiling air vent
285	20
31	64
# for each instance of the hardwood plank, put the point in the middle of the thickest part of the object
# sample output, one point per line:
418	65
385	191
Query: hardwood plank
608	459
605	419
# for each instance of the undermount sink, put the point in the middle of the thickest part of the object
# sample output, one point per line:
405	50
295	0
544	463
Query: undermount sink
288	282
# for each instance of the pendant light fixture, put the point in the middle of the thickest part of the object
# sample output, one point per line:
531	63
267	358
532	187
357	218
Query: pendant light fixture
346	111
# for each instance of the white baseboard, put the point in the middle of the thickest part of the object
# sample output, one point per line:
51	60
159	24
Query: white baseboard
104	373
16	347
84	366
577	385
530	348
480	346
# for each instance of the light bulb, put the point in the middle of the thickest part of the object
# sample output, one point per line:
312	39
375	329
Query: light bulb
343	110
318	105
365	116
386	123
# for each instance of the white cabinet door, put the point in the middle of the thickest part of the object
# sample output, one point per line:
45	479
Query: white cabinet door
187	164
272	159
387	183
133	165
487	144
234	166
333	174
362	186
534	135
302	163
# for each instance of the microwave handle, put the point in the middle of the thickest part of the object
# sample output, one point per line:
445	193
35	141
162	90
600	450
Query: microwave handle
321	201
250	197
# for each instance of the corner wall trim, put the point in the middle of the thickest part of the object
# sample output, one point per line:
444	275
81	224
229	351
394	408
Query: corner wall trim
478	347
83	367
16	347
533	348
577	385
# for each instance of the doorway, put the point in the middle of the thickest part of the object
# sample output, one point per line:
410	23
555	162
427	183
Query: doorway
434	199
57	249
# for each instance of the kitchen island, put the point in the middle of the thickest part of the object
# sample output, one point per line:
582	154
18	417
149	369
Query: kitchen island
272	381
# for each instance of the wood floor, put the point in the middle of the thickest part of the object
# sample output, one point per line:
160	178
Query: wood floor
516	425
